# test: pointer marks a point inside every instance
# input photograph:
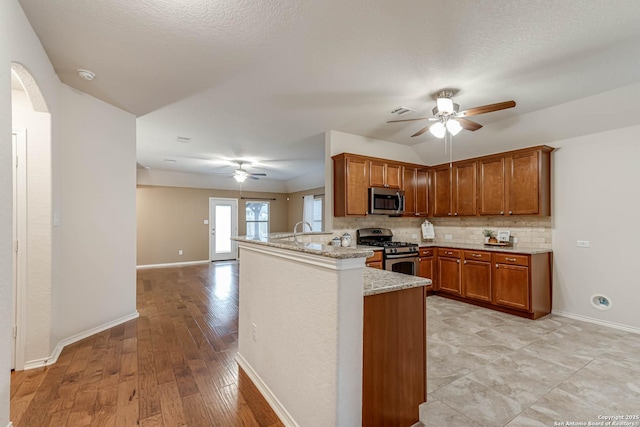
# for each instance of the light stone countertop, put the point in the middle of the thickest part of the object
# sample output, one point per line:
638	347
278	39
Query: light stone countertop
381	281
508	249
281	241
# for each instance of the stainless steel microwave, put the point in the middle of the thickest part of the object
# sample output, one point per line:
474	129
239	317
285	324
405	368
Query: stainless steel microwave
386	201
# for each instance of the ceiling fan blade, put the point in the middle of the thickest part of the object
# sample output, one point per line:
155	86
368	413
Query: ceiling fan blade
468	124
258	174
423	130
407	120
253	177
487	109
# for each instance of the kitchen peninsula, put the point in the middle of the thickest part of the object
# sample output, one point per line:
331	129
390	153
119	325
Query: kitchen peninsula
327	340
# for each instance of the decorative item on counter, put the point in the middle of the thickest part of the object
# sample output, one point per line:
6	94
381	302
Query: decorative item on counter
427	230
488	235
503	236
336	241
345	240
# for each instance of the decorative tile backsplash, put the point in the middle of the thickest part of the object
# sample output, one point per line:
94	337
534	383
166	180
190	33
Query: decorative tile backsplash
530	231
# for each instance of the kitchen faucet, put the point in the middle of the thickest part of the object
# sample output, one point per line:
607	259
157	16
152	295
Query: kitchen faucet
295	228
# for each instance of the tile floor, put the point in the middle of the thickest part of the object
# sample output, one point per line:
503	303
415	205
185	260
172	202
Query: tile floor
486	368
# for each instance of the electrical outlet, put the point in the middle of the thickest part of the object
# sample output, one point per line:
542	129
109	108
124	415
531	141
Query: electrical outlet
414	236
515	240
582	243
448	237
254	329
180	252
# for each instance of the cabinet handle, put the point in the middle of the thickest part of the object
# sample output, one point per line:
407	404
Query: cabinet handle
458	261
448	253
511	259
497	265
510	212
449	214
465	261
419	259
501	212
455	214
416	214
476	255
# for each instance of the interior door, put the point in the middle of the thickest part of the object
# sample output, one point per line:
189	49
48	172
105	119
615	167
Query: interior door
223	223
19	145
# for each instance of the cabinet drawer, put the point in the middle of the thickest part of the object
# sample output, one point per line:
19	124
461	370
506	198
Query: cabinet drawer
426	252
477	256
377	257
511	259
451	253
375	264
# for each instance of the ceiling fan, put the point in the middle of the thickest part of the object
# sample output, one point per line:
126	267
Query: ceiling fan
449	119
240	174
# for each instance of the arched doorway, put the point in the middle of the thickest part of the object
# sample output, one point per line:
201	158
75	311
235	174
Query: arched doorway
32	184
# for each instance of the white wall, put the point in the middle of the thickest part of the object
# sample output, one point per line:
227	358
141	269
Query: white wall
37	326
308	350
596	197
97	173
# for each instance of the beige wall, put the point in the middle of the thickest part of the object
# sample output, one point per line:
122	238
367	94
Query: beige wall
172	219
295	205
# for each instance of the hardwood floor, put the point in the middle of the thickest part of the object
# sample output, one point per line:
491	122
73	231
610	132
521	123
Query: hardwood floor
173	366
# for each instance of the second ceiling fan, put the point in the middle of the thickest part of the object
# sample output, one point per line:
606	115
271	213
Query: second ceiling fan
449	118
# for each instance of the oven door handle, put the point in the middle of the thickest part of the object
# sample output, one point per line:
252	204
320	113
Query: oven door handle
415	255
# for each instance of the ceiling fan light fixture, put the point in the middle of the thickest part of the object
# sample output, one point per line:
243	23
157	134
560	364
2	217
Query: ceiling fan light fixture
453	126
240	177
445	105
438	130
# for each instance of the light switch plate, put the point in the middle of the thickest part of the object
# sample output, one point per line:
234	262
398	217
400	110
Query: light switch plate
448	237
582	243
206	222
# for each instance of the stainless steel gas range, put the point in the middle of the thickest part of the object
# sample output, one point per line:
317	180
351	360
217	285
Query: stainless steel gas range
401	257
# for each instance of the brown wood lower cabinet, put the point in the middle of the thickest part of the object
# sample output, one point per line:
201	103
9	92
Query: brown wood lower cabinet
518	284
394	358
448	262
427	265
375	261
476	275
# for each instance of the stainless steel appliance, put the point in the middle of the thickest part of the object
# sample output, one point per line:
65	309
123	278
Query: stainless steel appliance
401	257
386	201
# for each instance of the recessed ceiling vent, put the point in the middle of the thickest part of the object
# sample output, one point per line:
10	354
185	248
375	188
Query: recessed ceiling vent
400	111
184	139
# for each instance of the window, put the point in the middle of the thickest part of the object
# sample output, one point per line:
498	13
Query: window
317	213
257	216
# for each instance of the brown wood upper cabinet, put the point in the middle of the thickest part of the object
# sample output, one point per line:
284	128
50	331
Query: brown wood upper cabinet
387	175
515	183
350	184
454	189
416	191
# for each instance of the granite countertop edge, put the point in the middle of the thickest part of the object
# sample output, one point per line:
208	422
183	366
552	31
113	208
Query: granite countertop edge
377	281
336	252
482	247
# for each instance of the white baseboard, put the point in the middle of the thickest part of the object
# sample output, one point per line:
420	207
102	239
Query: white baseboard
39	363
271	399
172	264
597	321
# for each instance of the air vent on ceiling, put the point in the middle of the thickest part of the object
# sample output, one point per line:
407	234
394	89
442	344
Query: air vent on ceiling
399	111
184	139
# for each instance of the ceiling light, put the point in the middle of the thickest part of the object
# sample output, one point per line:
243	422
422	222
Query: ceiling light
240	177
86	74
438	130
453	126
445	105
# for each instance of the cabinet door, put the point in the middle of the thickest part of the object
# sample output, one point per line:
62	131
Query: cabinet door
491	186
409	191
476	280
376	174
441	190
422	192
511	285
393	176
464	189
449	275
524	184
425	268
357	185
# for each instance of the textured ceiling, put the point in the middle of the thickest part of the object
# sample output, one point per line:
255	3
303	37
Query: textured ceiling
263	80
